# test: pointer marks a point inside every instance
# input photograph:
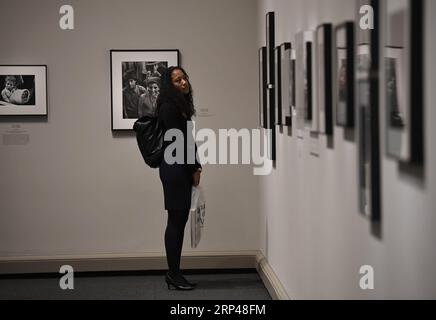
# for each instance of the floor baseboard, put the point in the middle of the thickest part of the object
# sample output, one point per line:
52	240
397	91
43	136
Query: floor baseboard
107	263
270	279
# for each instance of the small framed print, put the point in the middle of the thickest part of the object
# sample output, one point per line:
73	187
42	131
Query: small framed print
324	50
306	61
271	101
263	116
344	74
135	83
403	87
278	86
285	72
23	90
291	88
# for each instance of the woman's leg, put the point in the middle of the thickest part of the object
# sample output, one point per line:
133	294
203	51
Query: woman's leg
174	238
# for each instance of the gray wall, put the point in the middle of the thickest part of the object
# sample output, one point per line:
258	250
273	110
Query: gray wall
77	189
311	231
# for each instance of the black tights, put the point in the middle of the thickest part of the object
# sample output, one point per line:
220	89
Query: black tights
174	237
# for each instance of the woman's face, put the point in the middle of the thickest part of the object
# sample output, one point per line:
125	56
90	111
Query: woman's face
180	81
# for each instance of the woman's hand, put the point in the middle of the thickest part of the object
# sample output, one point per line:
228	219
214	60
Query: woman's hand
196	177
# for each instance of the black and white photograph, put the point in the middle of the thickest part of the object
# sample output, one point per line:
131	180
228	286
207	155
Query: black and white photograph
136	80
403	78
344	73
23	90
324	77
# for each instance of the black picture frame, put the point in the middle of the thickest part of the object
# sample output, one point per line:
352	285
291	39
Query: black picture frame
282	60
263	117
367	114
324	48
284	83
270	45
278	86
291	88
344	74
308	81
129	63
23	90
403	87
306	88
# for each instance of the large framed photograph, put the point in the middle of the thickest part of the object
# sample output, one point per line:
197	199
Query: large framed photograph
344	74
23	90
367	108
135	83
282	60
263	116
403	87
324	49
270	45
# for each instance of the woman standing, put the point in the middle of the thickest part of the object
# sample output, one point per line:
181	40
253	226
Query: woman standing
174	109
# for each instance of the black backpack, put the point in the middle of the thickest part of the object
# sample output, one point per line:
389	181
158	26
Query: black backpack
150	134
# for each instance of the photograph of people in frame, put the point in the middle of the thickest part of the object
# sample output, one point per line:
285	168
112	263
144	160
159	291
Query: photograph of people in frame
141	84
17	90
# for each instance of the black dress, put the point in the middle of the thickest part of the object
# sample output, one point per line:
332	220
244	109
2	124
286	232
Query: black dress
176	178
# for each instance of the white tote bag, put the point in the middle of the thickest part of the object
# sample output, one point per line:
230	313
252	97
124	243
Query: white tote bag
197	214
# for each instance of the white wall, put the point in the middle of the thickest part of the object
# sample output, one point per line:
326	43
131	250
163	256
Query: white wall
78	189
311	231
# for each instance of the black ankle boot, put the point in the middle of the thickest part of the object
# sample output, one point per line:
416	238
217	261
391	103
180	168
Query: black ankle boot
178	282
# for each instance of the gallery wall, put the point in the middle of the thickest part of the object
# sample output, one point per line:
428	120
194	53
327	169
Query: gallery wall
311	231
77	189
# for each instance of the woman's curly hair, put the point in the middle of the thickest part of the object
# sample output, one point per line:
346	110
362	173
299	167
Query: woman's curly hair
168	93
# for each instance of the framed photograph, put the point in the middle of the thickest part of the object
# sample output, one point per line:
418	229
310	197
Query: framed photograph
283	83
291	88
263	116
23	90
307	88
367	108
344	74
324	49
282	60
278	86
135	83
270	45
403	87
